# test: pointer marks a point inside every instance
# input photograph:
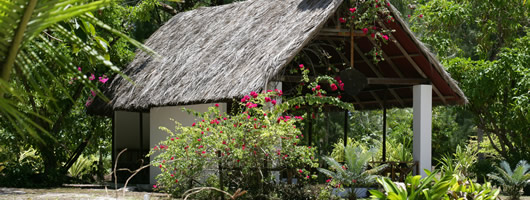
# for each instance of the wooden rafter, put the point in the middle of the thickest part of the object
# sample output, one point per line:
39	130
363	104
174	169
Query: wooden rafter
388	60
414	64
374	69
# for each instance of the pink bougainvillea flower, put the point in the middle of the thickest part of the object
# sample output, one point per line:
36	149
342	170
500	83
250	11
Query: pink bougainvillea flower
103	79
248	116
254	94
385	37
93	93
154	186
280	93
89	102
302	65
342	20
92	77
365	30
273	102
267	99
352	10
333	87
78	68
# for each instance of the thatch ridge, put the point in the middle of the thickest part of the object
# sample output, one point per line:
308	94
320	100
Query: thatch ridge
207	58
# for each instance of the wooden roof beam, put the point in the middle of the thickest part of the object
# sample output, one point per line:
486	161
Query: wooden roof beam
373	68
414	64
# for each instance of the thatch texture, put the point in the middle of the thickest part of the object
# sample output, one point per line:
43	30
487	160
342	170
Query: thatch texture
221	52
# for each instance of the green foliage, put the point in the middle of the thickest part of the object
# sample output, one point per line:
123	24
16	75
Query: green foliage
512	181
82	167
460	163
499	98
252	140
447	187
354	172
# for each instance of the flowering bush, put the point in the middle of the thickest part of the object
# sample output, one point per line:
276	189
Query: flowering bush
253	140
364	15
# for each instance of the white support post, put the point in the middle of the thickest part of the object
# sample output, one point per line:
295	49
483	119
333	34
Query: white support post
422	126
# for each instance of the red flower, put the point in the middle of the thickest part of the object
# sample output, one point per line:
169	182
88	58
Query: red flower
365	30
333	87
92	77
329	180
216	105
385	37
373	35
301	66
267	99
203	152
199	139
352	10
421	16
301	171
342	20
254	94
176	181
193	124
273	102
388	4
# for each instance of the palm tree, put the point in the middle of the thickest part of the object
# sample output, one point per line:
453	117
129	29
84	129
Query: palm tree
512	181
30	61
25	47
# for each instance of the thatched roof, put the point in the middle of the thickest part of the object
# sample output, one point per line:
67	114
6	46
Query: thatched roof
219	53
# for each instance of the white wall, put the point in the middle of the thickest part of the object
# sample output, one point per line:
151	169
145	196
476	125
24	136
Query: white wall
161	117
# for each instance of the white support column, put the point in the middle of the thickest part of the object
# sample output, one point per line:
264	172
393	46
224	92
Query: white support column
422	126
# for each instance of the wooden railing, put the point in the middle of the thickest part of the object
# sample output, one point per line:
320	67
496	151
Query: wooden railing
397	171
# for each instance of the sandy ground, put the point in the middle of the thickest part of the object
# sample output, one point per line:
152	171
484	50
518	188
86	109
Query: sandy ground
75	193
65	193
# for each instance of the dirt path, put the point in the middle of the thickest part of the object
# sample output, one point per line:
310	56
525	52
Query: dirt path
75	193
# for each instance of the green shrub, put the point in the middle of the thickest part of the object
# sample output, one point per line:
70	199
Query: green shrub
354	172
447	187
245	145
512	181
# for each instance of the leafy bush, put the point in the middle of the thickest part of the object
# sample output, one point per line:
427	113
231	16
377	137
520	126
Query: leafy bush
245	145
354	172
512	182
430	187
